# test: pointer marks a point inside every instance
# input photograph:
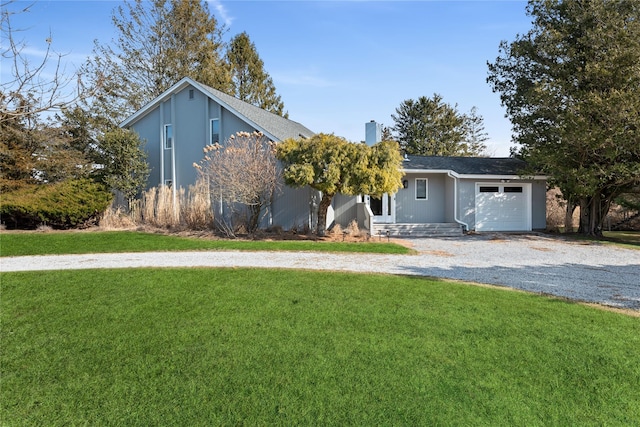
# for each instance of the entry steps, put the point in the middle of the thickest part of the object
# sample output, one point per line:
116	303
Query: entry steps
436	229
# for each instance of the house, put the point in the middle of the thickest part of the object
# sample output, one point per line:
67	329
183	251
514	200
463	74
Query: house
439	194
179	123
446	195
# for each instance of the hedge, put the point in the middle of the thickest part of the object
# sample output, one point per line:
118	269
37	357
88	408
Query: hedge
67	204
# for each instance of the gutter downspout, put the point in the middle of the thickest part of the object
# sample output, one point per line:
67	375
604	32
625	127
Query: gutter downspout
453	175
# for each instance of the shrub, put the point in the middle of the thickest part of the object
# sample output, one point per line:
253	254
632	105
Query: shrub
67	204
353	228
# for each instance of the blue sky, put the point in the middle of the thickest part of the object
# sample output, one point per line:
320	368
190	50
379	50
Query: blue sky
336	64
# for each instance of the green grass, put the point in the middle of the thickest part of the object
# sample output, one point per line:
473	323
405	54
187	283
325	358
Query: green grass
19	244
271	347
629	239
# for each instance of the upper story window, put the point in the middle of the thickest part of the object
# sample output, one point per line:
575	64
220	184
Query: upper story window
215	131
421	189
168	137
191	94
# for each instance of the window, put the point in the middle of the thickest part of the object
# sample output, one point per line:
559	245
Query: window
487	189
168	137
215	131
421	188
513	189
191	94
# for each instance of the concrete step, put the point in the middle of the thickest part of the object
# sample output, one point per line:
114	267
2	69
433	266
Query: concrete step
418	230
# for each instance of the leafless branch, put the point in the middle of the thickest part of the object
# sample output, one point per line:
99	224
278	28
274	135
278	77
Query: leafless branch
33	88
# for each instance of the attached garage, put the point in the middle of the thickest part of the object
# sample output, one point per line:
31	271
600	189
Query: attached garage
503	206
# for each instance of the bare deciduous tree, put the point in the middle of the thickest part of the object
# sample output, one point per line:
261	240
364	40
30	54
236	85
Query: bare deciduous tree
32	88
244	174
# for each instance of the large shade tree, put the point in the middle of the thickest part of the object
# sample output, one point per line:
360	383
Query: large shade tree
571	88
333	165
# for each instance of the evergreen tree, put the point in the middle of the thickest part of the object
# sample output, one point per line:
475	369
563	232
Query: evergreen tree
475	134
570	86
431	127
124	163
251	83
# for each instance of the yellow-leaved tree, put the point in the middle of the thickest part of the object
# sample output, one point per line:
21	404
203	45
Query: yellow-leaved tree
332	165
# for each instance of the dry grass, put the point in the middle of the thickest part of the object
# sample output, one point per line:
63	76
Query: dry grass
556	209
160	208
557	205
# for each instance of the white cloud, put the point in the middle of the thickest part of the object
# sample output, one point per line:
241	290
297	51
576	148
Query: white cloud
222	12
65	57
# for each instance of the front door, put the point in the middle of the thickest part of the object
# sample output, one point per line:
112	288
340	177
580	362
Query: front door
383	208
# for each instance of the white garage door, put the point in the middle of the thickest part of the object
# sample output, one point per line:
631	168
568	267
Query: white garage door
503	207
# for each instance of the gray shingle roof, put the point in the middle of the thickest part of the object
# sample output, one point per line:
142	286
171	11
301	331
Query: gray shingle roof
270	123
466	165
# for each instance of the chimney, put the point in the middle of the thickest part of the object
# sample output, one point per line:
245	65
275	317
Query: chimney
373	132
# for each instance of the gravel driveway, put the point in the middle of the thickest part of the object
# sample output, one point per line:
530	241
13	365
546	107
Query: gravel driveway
583	271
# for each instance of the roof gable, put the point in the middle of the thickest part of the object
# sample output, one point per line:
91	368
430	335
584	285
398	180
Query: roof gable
275	127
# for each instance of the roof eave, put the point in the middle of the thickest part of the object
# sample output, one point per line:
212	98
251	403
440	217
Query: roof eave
476	176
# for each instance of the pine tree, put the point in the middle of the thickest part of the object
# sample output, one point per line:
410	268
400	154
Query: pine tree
429	127
475	134
251	83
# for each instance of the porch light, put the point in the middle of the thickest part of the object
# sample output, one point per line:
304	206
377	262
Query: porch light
405	184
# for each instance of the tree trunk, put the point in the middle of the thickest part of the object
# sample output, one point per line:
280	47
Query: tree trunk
325	202
568	216
254	217
593	210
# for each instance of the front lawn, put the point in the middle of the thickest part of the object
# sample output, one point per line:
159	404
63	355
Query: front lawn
19	244
271	347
